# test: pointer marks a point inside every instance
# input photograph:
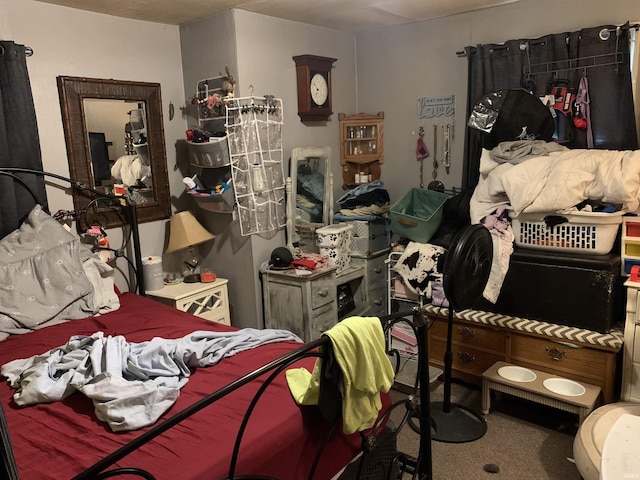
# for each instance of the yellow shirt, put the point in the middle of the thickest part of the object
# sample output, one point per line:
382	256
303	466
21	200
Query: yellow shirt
359	348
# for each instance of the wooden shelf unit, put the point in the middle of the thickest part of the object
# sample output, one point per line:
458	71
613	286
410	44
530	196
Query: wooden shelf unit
361	147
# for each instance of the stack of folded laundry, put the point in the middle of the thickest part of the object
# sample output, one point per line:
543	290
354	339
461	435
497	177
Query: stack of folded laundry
368	202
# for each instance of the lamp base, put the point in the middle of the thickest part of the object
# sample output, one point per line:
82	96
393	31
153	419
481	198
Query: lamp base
192	278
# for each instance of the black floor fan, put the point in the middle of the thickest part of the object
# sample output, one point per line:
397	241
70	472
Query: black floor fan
466	270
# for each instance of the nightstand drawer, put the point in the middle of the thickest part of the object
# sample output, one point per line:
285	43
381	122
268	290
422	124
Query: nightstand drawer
210	305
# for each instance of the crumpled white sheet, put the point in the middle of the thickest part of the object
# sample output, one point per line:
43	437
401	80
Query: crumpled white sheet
129	168
557	181
131	384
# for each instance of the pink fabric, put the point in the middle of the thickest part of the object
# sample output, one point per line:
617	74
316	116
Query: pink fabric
582	99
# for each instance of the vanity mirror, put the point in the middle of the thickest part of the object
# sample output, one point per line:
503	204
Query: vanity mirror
117	123
311	200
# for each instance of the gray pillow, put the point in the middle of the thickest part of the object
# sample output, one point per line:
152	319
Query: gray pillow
41	277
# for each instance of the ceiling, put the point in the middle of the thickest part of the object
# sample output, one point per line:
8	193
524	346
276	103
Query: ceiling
346	15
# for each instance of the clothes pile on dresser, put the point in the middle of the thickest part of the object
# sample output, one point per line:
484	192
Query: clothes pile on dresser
368	202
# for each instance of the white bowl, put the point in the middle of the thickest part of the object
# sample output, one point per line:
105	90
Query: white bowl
517	374
563	386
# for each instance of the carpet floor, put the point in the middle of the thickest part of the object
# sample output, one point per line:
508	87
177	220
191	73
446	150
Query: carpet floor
524	440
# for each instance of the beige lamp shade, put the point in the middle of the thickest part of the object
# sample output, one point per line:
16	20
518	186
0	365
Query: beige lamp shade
185	231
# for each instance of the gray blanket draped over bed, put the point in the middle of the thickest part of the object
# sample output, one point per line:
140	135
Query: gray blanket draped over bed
48	276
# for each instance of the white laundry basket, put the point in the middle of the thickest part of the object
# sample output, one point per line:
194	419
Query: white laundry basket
579	232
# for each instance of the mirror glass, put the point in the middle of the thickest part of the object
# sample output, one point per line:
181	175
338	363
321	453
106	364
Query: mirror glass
310	200
115	144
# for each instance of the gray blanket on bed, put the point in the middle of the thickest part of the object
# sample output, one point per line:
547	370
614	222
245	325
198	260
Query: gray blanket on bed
43	280
131	384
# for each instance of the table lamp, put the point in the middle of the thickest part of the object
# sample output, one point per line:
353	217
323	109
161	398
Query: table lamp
185	233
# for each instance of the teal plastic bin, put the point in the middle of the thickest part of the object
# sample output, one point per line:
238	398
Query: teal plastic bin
417	215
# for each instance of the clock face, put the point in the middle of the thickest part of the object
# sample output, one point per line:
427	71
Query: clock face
319	89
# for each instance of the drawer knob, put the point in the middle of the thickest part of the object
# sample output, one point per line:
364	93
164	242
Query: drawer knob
466	332
555	353
378	301
466	357
377	269
323	292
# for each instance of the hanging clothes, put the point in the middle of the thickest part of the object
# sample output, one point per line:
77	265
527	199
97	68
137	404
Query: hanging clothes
532	64
582	111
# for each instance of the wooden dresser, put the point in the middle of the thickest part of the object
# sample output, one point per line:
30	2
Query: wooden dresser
479	339
310	304
631	360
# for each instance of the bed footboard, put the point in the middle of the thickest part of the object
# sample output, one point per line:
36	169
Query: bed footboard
378	458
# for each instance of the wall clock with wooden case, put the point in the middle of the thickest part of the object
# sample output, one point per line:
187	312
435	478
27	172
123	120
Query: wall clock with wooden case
313	75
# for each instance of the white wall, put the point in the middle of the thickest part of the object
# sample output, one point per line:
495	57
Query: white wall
72	42
398	65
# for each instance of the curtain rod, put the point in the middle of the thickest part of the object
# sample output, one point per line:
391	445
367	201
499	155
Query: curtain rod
463	53
28	51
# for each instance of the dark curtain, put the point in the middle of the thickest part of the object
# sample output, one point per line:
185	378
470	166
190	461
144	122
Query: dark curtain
532	64
19	140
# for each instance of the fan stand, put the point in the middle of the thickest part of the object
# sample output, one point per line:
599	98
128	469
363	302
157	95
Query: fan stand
453	423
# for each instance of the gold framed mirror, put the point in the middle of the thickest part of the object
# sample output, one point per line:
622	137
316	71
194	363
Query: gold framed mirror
90	144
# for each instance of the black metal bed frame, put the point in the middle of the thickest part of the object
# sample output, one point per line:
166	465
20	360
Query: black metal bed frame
415	405
123	203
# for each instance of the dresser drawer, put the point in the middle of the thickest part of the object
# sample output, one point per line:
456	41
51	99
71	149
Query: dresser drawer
465	333
323	291
466	359
632	300
322	320
558	356
636	345
633	394
377	269
378	298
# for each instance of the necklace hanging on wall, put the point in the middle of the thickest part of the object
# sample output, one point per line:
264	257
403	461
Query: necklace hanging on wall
422	152
435	184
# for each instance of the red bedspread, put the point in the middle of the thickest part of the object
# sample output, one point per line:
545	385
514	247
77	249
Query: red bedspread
57	441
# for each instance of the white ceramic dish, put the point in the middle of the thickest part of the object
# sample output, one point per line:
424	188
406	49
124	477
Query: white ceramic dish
563	386
517	374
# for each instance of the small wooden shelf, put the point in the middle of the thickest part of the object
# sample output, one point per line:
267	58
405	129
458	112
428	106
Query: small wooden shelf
361	147
630	244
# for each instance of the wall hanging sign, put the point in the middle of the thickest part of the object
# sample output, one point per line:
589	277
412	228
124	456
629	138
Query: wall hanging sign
438	106
439	111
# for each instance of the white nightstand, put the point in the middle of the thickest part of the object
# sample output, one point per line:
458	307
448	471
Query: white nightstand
207	300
